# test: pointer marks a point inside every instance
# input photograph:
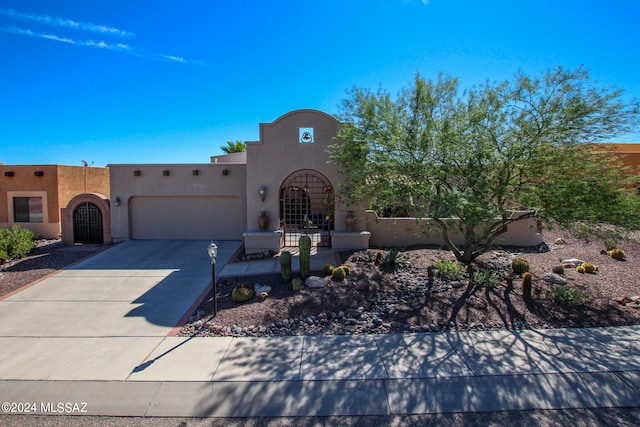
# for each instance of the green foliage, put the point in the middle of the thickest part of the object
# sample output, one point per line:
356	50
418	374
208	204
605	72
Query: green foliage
450	269
234	147
519	265
327	269
242	293
15	242
338	273
485	278
479	156
304	244
285	265
566	295
391	259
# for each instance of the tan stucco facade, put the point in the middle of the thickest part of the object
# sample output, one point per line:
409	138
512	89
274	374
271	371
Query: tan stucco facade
56	185
287	174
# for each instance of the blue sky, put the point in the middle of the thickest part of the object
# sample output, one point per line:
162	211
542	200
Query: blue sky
156	81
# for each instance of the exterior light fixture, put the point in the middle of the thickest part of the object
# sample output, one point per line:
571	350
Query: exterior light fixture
262	192
117	201
38	173
8	173
195	172
212	250
136	172
225	172
166	172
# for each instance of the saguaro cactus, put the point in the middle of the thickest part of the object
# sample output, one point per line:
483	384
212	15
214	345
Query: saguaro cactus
526	285
305	256
285	265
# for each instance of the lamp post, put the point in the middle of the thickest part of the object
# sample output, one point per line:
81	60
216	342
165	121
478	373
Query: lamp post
212	250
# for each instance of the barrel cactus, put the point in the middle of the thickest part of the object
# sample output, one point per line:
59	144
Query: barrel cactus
305	256
242	293
296	284
617	254
327	269
346	269
285	265
519	266
338	273
589	268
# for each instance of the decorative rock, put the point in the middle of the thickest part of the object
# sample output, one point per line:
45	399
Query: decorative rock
258	289
315	282
555	278
572	262
456	284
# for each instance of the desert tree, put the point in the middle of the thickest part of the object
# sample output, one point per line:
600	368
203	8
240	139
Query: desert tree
475	161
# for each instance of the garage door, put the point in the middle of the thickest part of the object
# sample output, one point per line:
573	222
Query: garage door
190	218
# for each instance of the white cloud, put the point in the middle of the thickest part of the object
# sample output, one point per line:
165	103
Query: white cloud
62	23
55	21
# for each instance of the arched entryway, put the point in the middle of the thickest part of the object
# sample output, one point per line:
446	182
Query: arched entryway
87	219
307	207
87	224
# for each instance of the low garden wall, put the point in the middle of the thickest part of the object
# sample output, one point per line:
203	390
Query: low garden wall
401	232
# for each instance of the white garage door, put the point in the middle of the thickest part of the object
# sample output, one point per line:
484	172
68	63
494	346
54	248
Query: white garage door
189	218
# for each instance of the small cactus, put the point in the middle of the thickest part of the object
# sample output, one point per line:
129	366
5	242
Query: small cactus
305	256
327	269
589	268
338	273
617	254
526	285
242	293
519	265
296	284
346	269
285	265
580	269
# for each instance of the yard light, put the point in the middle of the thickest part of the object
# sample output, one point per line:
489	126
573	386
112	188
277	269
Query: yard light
212	250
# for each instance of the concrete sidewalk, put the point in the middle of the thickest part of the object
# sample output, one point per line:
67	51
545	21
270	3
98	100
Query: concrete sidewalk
56	350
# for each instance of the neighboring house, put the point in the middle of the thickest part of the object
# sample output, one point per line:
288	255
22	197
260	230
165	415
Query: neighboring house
629	154
55	200
283	186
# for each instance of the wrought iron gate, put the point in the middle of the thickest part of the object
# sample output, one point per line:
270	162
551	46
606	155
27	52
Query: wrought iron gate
307	207
87	224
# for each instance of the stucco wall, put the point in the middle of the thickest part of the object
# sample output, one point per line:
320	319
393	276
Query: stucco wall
210	181
279	153
402	232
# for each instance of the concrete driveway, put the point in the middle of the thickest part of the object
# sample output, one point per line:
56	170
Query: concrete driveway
117	305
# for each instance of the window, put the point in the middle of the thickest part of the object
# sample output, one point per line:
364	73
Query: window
27	209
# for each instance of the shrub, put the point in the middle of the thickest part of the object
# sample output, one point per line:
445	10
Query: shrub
15	242
338	273
391	259
449	269
327	269
566	295
485	278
